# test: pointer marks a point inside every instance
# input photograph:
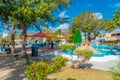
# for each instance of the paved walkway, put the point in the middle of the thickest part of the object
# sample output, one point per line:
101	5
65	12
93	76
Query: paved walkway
15	70
104	65
40	50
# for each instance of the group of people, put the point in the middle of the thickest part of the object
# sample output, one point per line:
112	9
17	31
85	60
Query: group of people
6	48
50	44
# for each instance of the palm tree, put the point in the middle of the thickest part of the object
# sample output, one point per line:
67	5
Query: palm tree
6	9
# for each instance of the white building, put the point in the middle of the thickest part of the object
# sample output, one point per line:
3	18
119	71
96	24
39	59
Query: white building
5	33
115	35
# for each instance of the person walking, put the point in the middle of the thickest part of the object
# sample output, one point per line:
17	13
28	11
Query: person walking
52	44
8	49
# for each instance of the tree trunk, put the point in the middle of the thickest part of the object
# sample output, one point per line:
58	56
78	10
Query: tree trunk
13	38
85	36
24	35
89	38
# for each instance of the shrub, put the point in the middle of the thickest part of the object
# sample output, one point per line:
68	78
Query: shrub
71	47
67	46
89	53
58	62
37	71
80	52
27	58
116	72
63	47
40	70
86	53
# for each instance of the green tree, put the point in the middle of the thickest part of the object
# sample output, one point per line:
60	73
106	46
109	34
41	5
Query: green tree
89	24
70	34
83	22
116	19
58	32
27	11
47	31
110	25
30	10
77	37
7	7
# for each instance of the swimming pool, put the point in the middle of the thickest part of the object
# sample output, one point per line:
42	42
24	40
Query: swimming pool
104	51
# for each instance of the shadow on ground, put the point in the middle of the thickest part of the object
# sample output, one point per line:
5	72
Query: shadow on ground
11	69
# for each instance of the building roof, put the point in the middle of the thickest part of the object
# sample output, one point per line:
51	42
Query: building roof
41	34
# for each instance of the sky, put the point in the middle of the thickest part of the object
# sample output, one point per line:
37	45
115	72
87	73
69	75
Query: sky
104	9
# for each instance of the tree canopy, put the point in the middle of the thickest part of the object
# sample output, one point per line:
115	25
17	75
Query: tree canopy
90	24
117	18
27	11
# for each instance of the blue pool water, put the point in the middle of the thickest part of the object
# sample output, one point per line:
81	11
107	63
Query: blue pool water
104	51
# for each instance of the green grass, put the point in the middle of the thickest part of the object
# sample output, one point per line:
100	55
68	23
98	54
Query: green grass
81	74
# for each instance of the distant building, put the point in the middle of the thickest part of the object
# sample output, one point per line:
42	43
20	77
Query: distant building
5	33
115	35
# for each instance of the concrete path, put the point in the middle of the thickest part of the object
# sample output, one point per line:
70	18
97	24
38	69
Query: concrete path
104	65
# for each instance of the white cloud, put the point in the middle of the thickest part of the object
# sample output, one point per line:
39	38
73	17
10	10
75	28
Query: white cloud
51	28
63	15
117	5
98	15
63	26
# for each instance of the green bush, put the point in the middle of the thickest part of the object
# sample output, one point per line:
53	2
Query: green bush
89	53
67	46
71	47
37	71
27	58
58	62
116	72
40	70
80	52
86	53
63	47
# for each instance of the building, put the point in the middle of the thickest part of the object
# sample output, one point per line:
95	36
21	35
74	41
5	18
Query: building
115	35
5	33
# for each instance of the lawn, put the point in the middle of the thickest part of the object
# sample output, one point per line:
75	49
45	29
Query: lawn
81	74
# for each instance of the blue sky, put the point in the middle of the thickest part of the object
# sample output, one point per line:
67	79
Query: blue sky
105	7
102	8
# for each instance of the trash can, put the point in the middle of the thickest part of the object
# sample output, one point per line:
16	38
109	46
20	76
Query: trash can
34	50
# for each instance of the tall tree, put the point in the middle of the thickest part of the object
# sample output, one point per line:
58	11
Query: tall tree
70	33
6	9
58	32
77	37
116	20
83	21
89	24
30	10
